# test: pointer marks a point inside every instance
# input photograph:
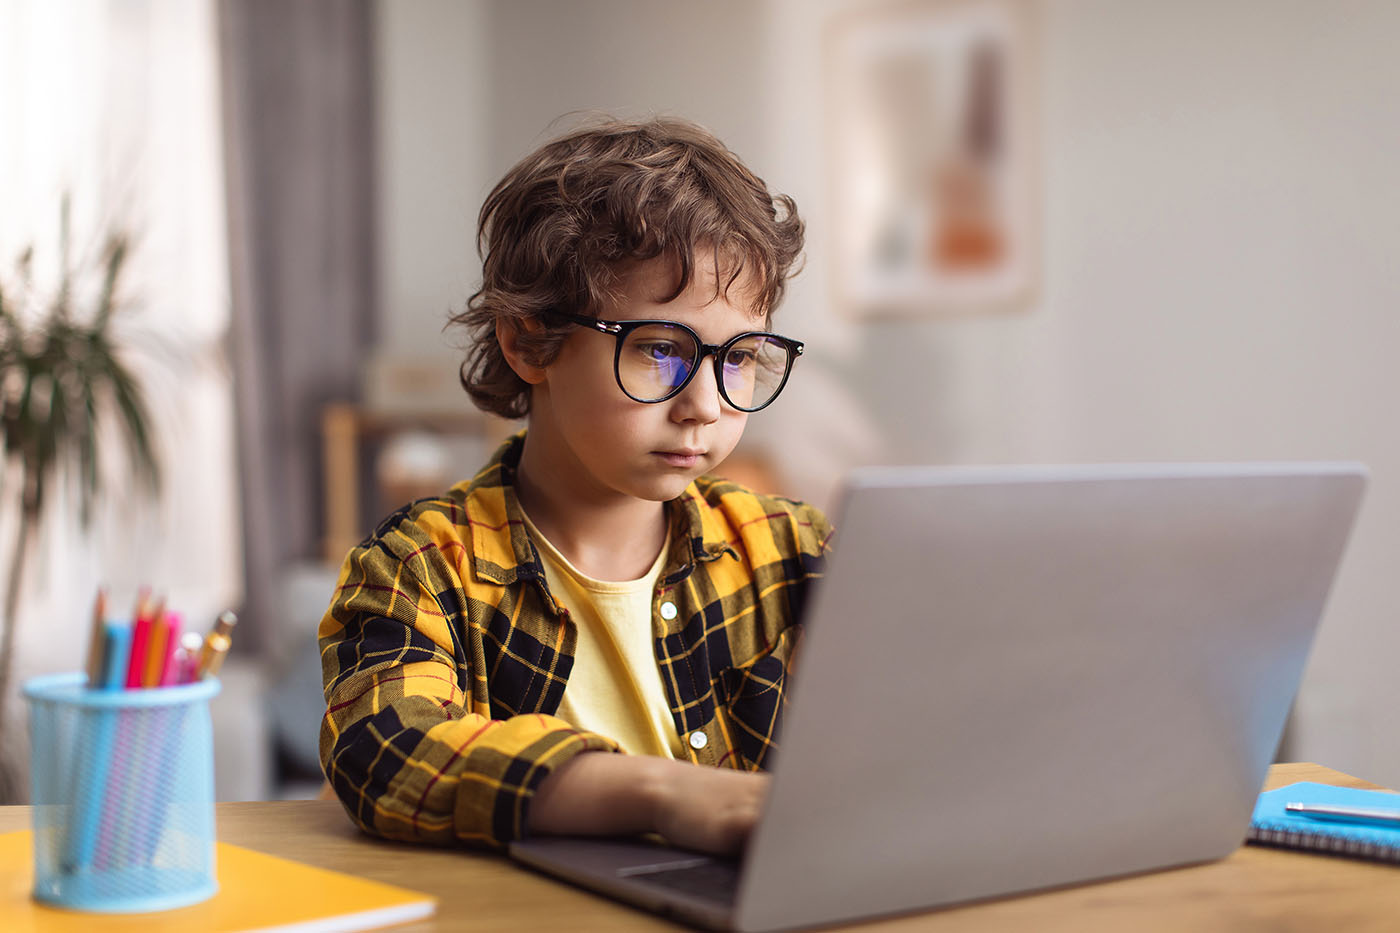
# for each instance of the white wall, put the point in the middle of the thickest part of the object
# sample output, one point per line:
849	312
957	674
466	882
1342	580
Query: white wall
1221	232
624	57
1223	275
433	111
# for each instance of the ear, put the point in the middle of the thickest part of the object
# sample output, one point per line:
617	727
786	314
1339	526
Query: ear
508	336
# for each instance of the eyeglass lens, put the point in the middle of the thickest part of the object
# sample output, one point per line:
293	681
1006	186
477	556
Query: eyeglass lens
656	358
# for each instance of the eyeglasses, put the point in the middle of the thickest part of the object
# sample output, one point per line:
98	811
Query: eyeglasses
655	360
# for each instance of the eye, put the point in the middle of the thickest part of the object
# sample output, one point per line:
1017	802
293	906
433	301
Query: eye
658	351
739	358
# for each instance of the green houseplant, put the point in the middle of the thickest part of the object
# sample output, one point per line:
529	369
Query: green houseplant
66	395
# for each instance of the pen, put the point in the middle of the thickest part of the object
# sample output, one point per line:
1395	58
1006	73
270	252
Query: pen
216	646
1385	816
187	657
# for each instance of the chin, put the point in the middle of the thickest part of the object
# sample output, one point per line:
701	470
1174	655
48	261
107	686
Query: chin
665	488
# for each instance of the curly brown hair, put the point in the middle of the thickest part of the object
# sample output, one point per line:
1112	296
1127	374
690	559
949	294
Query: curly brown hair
564	226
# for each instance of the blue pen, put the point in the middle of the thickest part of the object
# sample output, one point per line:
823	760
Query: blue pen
88	815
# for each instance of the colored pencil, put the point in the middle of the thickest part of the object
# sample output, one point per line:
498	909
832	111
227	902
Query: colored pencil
97	641
91	821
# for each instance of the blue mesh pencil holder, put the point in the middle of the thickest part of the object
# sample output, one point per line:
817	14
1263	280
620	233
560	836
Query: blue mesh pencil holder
123	796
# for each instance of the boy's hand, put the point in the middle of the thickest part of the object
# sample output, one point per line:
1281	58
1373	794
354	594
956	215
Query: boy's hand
696	807
710	809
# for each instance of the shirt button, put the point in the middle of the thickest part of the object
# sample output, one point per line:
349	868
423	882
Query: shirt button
698	739
668	612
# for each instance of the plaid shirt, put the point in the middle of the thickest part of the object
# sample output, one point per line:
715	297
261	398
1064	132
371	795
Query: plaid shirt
444	655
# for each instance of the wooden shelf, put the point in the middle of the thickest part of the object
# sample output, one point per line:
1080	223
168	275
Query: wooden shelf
346	430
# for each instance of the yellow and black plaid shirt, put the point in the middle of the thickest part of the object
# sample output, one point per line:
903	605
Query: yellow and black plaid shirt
444	655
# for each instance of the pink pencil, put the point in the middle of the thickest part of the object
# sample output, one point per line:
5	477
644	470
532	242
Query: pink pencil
170	664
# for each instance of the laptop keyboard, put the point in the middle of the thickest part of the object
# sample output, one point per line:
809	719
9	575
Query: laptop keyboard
710	879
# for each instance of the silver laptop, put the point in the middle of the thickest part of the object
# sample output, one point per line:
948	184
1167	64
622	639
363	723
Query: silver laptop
1016	678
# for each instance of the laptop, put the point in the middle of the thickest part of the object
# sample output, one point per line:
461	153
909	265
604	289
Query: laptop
1016	678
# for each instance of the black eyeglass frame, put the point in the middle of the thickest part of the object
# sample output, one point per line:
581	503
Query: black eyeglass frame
620	330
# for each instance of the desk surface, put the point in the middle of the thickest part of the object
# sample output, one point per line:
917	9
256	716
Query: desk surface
1253	889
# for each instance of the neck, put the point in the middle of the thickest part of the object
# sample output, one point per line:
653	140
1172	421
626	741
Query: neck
605	534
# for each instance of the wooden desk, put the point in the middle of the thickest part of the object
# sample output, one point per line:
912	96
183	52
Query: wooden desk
1253	889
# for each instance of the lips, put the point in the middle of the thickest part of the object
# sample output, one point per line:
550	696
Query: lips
684	457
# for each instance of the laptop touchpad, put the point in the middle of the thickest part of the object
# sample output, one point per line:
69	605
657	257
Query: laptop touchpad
712	879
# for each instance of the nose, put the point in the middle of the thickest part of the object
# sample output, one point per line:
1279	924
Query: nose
700	400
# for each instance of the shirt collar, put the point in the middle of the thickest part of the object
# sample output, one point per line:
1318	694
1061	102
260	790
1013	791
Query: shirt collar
501	548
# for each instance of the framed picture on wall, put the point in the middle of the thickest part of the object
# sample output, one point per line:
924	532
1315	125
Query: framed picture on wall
934	157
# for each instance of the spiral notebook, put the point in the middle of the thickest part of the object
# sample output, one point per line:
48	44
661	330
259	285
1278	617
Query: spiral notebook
1273	826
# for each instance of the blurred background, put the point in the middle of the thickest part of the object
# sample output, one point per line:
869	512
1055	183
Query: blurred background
1038	231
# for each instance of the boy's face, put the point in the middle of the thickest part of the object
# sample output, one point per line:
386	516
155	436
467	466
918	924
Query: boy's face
603	443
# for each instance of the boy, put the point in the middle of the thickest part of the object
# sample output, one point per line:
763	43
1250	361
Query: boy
590	590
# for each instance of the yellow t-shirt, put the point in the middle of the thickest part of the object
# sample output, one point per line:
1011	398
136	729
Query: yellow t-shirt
615	686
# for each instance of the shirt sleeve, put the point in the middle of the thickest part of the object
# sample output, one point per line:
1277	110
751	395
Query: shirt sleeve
399	743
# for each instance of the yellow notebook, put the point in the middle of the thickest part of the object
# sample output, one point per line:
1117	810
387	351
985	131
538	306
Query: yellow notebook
256	892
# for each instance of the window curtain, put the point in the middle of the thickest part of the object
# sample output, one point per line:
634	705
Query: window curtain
115	107
299	147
